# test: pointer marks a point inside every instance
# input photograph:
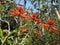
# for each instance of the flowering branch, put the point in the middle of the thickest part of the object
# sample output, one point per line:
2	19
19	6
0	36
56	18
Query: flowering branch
19	11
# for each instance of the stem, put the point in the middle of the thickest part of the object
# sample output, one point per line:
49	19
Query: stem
43	30
22	42
15	41
39	6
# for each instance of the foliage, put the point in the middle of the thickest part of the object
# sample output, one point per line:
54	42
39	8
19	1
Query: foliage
32	28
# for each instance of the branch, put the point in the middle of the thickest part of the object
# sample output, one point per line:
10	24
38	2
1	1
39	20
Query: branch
23	40
7	23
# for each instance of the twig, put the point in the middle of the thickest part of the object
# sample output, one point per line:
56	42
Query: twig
8	29
15	41
43	30
57	13
5	39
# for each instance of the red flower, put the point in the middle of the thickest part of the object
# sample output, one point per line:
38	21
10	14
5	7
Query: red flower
34	15
14	12
22	12
24	30
20	8
51	22
54	29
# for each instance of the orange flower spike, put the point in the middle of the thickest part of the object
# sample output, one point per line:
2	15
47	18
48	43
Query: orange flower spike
24	30
51	22
54	29
14	12
36	32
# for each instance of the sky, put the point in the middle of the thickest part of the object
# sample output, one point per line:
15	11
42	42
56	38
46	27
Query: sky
28	4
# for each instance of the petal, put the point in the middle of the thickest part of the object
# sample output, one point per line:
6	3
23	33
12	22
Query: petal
14	12
51	22
54	29
46	25
19	7
34	14
37	20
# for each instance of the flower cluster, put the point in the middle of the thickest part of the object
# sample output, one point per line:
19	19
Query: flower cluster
49	24
20	11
